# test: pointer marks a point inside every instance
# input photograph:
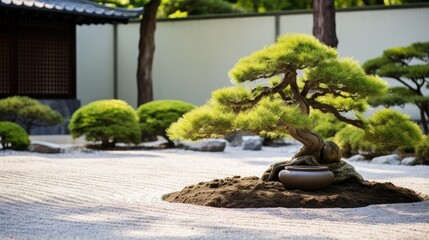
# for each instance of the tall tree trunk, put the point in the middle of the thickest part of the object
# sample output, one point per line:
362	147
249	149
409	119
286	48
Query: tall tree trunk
424	111
146	52
324	22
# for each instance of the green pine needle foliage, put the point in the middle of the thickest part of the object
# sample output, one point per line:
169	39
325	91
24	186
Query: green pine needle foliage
421	50
343	104
109	121
422	151
271	117
349	75
295	51
232	96
326	125
397	96
388	129
13	136
208	121
29	112
156	116
350	140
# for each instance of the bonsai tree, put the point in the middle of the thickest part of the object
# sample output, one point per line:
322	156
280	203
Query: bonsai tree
296	75
109	121
409	66
28	112
156	116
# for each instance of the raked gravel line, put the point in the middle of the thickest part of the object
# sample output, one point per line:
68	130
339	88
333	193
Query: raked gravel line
117	195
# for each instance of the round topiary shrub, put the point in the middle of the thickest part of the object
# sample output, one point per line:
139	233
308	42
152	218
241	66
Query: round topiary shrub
350	140
422	151
156	116
13	136
108	121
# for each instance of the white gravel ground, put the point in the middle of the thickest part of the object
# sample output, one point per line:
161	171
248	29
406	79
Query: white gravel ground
117	195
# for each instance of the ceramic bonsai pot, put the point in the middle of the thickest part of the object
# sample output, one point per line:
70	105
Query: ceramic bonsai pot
308	178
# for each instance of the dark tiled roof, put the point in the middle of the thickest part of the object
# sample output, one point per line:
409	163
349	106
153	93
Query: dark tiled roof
88	12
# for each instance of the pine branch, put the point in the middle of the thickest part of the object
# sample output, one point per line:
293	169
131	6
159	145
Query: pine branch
237	106
325	108
403	82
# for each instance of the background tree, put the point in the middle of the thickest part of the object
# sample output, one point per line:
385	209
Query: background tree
146	52
324	22
410	67
196	7
28	112
283	104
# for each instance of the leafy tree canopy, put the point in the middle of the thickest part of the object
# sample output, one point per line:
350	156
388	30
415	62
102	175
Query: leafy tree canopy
184	8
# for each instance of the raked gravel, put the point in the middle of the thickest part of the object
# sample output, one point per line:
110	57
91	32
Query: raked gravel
117	195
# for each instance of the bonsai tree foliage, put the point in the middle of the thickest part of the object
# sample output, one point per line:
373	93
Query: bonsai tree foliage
409	66
108	121
28	112
298	74
156	116
13	136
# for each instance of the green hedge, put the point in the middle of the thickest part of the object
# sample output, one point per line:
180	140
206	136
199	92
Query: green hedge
13	136
108	121
156	116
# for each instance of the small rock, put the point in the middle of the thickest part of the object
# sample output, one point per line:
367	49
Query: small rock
207	145
356	158
410	161
213	185
279	142
45	147
253	143
235	139
392	159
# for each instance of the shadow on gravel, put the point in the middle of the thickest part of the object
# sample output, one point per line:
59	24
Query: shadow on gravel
51	221
84	154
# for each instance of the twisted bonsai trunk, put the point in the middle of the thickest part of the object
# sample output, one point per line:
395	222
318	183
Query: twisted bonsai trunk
313	143
315	149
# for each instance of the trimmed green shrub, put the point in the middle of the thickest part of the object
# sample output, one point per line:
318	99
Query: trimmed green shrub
422	151
394	126
108	121
384	124
156	116
350	140
13	136
28	112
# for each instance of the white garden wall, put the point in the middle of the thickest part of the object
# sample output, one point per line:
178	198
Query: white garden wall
193	56
94	55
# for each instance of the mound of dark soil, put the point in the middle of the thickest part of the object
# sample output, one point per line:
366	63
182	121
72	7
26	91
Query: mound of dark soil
251	192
